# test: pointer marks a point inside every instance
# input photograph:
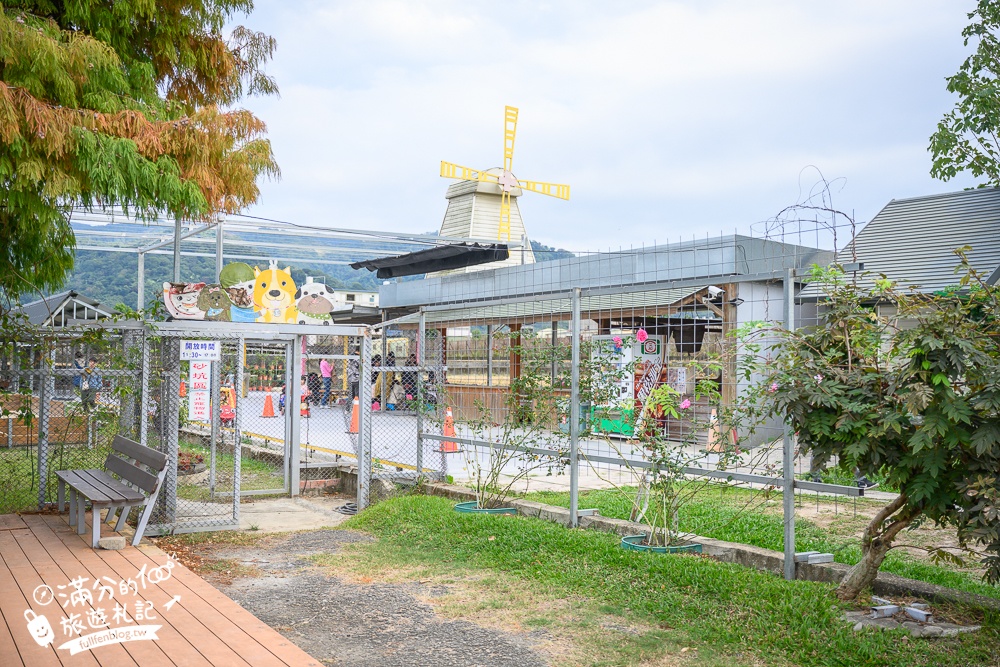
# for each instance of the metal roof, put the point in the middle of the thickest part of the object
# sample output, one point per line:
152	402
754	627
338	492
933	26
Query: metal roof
648	303
912	241
64	309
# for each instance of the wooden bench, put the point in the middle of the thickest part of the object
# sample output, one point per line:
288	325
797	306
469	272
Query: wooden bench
139	474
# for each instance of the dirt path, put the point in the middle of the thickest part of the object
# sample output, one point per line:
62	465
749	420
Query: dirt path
353	624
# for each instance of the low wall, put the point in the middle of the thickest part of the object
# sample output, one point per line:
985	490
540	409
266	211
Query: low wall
742	554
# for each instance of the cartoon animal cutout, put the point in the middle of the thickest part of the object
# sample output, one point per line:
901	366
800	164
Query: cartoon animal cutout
314	301
274	294
237	279
181	300
215	301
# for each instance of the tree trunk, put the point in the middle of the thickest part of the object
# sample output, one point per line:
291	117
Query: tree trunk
875	544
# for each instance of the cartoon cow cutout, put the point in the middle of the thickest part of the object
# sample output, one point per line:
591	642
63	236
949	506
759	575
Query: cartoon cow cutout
274	294
314	302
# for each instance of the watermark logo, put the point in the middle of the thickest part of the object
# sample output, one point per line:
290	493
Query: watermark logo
101	611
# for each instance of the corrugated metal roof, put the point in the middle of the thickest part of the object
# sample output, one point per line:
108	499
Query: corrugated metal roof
912	241
621	305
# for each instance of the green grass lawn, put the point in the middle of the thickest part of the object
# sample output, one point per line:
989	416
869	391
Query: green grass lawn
737	515
677	610
19	472
254	475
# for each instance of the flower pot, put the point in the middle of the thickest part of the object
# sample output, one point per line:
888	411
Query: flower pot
472	507
635	543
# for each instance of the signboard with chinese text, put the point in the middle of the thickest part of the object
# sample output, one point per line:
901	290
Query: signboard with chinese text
199	398
208	350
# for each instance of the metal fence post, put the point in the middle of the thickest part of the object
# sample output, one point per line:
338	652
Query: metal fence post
216	411
365	421
44	396
420	393
241	348
144	389
293	412
788	442
574	414
172	415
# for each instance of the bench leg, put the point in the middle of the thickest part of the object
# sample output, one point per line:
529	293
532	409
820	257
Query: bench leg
61	497
112	513
143	518
72	506
121	520
81	520
97	525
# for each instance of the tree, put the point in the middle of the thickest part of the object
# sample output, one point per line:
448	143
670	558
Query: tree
967	137
916	396
121	104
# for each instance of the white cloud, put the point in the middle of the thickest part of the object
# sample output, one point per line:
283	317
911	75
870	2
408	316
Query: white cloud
663	116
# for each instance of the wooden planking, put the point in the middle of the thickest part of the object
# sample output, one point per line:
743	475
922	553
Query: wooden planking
231	623
57	573
172	642
130	473
203	629
16	575
11	522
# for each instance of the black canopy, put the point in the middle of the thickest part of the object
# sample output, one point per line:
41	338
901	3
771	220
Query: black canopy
439	258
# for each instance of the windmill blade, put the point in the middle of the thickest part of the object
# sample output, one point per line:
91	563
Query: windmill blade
450	170
551	189
509	130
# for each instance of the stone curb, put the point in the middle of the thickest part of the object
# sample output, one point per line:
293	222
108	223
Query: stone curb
742	554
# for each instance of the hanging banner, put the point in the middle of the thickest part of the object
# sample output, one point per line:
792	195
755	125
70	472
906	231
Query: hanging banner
199	398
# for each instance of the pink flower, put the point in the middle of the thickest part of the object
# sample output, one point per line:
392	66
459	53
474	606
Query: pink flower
685	404
617	340
774	387
641	335
818	377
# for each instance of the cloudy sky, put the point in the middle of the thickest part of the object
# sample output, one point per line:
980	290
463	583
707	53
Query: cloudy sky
669	119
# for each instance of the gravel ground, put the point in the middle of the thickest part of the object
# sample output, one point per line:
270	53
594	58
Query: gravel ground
350	624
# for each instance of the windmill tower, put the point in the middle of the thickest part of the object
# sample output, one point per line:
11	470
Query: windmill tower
484	204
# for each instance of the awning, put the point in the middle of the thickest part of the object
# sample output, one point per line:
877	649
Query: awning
440	258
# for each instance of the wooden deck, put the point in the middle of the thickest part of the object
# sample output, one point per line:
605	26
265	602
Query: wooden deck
198	624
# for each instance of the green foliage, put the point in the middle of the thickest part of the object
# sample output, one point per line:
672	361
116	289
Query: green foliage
966	138
116	105
916	396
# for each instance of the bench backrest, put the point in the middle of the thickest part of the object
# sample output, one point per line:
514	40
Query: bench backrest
134	473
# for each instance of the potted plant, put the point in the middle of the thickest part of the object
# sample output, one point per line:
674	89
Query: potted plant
528	421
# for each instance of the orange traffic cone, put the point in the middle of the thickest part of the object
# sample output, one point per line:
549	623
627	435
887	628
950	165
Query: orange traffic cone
354	415
268	407
449	429
184	389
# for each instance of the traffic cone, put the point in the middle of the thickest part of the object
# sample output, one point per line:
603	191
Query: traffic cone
354	415
184	389
268	407
449	429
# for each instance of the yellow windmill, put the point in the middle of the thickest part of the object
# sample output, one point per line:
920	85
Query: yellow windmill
508	185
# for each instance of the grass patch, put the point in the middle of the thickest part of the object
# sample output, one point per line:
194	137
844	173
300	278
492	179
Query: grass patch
738	515
255	475
725	613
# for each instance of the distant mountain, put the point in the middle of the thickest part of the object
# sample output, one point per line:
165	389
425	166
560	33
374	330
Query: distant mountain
111	277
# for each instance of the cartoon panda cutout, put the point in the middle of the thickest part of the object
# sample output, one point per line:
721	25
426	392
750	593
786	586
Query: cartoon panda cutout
314	302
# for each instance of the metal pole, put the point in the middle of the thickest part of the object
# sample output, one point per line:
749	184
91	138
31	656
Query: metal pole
172	412
420	393
489	355
574	415
141	287
294	393
364	421
177	250
788	489
241	355
216	411
43	430
218	248
144	399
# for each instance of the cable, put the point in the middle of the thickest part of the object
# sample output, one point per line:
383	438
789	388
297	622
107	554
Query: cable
350	509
